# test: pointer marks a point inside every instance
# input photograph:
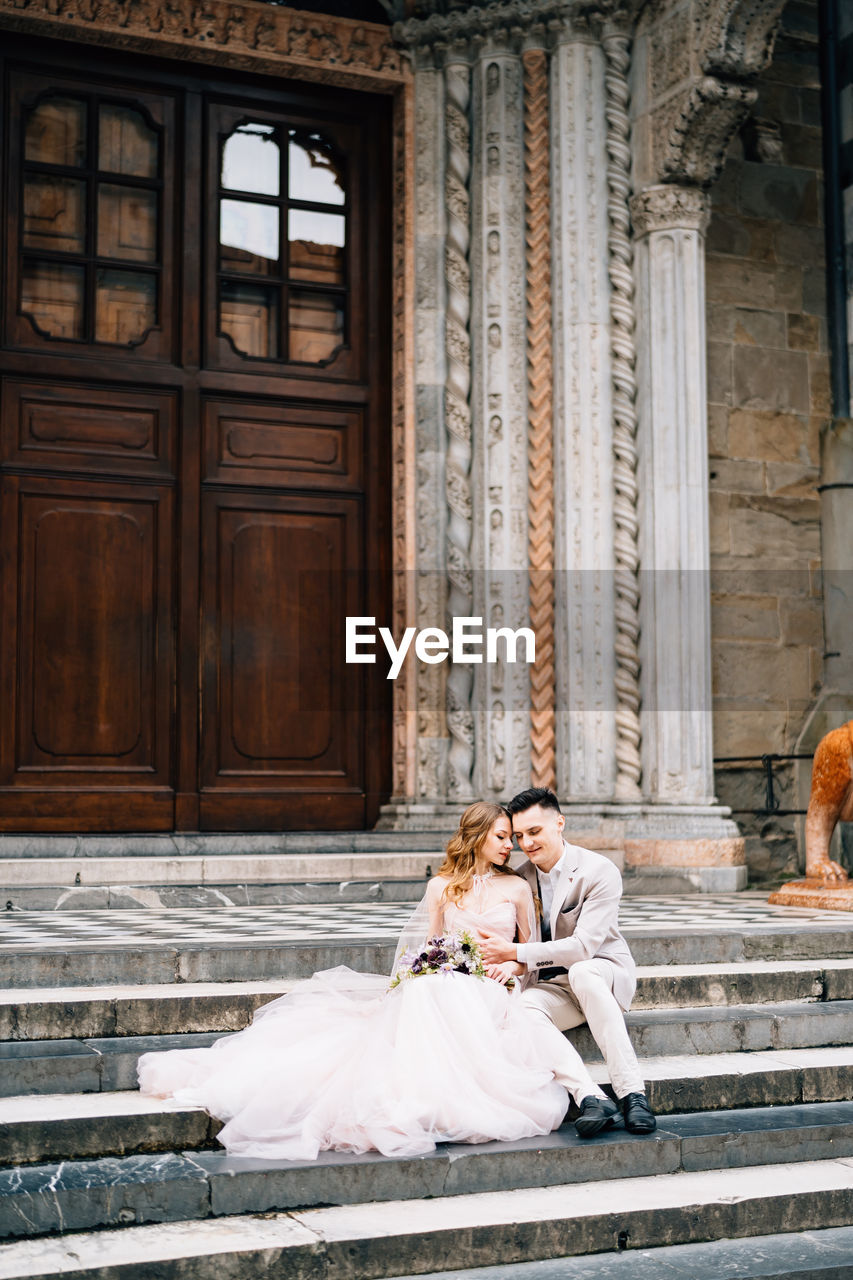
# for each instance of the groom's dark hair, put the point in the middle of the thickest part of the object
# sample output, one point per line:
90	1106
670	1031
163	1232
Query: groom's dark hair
533	795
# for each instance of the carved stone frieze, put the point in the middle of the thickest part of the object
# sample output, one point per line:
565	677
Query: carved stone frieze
309	45
498	401
663	207
510	22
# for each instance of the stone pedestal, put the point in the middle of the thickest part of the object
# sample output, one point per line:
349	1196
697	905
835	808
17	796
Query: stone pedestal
815	894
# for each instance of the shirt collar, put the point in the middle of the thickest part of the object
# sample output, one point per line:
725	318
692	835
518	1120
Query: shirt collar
557	867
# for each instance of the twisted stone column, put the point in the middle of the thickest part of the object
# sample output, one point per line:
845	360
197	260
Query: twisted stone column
537	202
457	413
625	491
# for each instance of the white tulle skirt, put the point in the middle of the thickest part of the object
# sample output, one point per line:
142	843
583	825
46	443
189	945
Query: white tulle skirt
342	1063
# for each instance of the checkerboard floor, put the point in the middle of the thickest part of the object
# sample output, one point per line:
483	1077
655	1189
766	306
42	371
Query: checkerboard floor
375	922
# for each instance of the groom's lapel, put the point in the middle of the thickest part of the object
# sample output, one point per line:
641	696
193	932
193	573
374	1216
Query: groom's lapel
564	884
528	870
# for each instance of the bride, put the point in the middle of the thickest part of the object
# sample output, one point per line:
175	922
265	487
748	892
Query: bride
346	1063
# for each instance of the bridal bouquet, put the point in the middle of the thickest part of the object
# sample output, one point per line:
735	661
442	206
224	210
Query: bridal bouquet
456	953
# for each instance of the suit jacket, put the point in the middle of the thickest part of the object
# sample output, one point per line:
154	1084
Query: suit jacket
584	920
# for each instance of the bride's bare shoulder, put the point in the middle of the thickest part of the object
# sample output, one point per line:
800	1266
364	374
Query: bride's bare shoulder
517	886
437	885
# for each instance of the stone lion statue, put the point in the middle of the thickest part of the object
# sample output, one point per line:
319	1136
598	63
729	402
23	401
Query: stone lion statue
830	802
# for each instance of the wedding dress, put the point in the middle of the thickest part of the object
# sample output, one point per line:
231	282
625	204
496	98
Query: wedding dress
344	1063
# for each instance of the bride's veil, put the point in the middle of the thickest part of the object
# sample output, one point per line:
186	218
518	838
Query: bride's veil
414	933
416	930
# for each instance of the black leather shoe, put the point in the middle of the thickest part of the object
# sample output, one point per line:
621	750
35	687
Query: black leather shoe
639	1117
596	1114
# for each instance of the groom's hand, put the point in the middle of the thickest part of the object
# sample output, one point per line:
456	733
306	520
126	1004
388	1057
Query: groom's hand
496	949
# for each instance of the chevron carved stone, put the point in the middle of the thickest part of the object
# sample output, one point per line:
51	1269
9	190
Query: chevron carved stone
540	406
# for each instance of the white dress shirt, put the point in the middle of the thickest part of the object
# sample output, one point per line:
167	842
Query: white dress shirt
547	885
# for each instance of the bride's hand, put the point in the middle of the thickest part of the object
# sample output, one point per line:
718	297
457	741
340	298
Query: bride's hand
503	972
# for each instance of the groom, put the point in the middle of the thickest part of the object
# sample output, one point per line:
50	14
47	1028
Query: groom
580	966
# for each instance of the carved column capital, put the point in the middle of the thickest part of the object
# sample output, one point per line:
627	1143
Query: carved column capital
667	207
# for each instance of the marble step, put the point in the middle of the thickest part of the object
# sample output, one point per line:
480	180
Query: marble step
807	1255
682	1032
698	1082
129	897
655	1032
164	1183
218	869
366	940
314	844
363	1241
172	1008
84	1127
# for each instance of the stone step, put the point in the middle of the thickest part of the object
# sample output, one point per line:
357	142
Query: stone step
807	1255
163	1183
364	1241
171	1008
59	949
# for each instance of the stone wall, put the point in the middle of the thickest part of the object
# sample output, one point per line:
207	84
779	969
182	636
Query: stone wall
769	396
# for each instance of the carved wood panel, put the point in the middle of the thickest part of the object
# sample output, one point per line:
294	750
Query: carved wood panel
87	628
96	428
281	573
312	446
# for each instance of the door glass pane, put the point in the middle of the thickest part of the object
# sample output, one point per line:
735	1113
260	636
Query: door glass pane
316	246
125	306
316	323
127	223
55	214
126	143
56	132
248	235
315	174
52	296
249	316
251	160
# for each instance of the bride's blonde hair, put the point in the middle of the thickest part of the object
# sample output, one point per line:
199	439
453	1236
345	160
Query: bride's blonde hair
460	857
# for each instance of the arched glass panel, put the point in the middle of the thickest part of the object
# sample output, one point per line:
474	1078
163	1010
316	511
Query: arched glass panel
251	160
126	143
56	132
315	174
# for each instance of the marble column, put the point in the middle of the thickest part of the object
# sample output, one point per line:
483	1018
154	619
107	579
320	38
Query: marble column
501	696
675	640
586	732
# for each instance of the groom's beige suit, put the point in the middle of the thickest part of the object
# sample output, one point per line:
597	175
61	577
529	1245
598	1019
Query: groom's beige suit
580	966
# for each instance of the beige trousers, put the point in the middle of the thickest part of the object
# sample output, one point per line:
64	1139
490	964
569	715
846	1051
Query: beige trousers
586	995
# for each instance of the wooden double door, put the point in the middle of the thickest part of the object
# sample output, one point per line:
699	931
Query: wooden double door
194	444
